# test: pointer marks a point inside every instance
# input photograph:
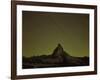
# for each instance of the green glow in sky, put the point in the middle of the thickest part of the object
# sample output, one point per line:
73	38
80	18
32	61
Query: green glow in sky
43	31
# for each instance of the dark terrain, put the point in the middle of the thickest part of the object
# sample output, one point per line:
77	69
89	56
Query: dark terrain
59	58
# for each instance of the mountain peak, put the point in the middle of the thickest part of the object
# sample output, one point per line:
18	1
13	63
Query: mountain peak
59	45
58	50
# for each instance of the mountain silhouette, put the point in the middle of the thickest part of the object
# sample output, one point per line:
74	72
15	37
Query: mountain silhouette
59	58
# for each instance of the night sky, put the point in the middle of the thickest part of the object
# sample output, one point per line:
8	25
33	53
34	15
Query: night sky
43	31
